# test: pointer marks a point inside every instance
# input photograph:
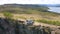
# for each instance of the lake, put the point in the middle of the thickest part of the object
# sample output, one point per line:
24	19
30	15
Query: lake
55	9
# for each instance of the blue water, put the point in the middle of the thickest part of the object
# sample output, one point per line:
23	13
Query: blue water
55	9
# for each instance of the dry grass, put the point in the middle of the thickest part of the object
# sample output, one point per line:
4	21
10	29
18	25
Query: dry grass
35	16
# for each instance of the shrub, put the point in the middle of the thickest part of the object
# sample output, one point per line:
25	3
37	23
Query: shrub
7	15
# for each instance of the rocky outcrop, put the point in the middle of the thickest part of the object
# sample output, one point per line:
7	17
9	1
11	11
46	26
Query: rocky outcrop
8	26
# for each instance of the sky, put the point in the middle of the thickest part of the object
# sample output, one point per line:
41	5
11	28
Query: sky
30	1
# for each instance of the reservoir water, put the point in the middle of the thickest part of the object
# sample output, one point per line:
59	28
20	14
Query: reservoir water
54	9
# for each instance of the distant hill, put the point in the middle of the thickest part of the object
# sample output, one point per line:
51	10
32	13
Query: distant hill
34	5
28	8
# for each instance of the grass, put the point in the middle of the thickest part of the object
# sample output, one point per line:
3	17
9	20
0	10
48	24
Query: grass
49	22
20	17
38	18
53	22
38	14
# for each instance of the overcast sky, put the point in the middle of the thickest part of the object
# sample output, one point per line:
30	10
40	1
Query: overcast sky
30	1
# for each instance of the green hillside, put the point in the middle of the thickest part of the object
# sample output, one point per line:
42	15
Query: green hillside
44	15
26	9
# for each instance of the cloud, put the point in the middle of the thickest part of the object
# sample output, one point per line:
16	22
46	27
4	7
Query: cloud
30	1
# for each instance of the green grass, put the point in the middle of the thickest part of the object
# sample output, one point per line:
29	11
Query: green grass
49	22
39	11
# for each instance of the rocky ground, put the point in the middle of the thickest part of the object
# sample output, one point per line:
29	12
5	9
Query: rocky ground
8	26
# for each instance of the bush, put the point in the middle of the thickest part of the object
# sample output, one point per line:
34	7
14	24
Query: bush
7	15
